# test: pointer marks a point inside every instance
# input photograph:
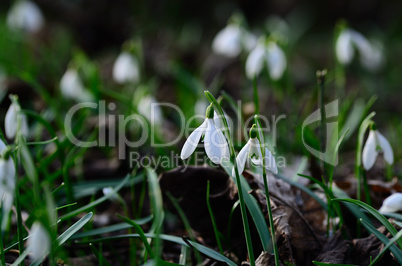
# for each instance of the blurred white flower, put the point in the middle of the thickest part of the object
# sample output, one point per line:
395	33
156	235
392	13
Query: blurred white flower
270	54
149	107
375	142
14	119
25	15
215	144
126	68
71	87
39	242
7	184
371	54
232	39
107	190
252	150
200	106
344	47
392	204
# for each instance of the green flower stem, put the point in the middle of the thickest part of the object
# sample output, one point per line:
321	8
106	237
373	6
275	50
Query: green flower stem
3	257
20	226
211	213
246	227
321	87
264	177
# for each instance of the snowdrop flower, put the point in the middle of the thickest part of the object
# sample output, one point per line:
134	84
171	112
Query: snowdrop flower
7	184
375	142
15	120
215	143
371	56
270	54
150	109
107	190
252	150
126	68
25	15
39	243
231	40
71	87
392	204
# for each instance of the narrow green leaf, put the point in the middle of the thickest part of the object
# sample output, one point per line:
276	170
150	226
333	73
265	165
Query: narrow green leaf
155	196
388	246
73	229
140	232
254	209
394	249
204	250
376	214
99	256
111	228
98	201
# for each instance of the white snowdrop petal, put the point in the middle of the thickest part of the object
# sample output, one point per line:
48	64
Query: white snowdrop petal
344	48
392	204
369	151
255	61
270	163
126	68
212	142
200	107
227	41
2	146
276	61
192	141
39	242
223	144
71	87
218	123
10	121
24	125
361	43
241	159
255	152
386	148
373	60
149	107
249	41
25	15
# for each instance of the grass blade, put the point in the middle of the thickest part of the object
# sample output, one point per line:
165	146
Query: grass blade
73	229
140	232
99	256
376	214
202	249
394	249
111	228
98	201
389	245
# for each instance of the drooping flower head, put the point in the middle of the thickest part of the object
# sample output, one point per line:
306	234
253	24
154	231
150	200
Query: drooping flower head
7	182
392	204
234	38
252	151
39	243
150	108
215	144
71	87
15	121
266	52
376	142
126	68
371	54
26	16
